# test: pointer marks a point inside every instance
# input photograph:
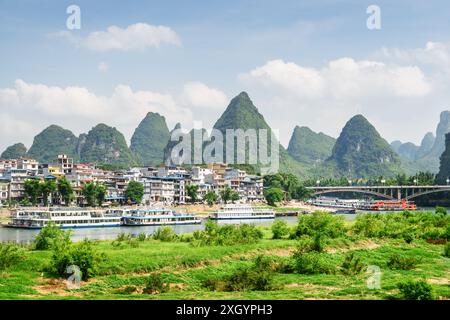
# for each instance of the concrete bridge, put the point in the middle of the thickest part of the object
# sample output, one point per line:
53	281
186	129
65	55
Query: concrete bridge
387	192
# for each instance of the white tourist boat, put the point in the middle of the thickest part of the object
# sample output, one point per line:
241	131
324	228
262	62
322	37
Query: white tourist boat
242	212
156	217
37	218
329	202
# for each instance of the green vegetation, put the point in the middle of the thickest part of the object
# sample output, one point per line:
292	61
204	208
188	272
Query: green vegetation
165	233
360	151
405	225
53	141
402	263
65	253
288	184
47	187
259	276
225	235
280	229
192	192
65	190
241	262
14	151
273	195
211	198
134	191
94	193
416	290
150	138
10	254
32	190
241	113
228	194
106	145
155	284
47	235
309	147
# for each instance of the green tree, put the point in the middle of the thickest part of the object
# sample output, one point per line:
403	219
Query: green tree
47	187
135	191
301	193
273	195
234	196
211	198
89	191
100	193
32	190
225	194
65	190
279	229
192	192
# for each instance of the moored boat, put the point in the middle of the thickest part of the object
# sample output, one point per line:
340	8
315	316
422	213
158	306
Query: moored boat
156	217
242	212
37	218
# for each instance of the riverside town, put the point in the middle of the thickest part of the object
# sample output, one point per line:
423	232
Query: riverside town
207	158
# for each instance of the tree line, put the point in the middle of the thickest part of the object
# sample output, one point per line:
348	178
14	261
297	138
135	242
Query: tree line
60	191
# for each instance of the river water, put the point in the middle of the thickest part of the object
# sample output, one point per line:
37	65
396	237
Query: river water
27	235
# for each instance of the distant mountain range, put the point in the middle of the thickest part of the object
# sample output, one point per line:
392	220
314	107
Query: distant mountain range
359	151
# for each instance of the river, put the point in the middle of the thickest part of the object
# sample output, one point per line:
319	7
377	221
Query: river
27	235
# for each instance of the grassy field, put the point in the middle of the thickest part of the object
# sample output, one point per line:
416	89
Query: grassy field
184	268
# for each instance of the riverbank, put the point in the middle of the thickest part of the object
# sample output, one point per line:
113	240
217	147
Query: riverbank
185	268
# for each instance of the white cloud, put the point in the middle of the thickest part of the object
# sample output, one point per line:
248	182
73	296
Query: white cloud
137	36
392	95
433	53
103	67
26	109
198	94
340	79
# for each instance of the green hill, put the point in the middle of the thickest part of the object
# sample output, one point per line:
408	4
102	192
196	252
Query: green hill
53	141
106	145
241	113
150	138
360	151
14	151
444	167
309	147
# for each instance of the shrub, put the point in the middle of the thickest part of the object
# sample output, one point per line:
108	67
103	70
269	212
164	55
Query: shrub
123	239
447	250
320	224
142	236
257	277
10	254
307	244
155	284
82	254
280	229
406	225
165	234
441	210
226	234
352	265
87	258
399	262
312	263
416	290
47	235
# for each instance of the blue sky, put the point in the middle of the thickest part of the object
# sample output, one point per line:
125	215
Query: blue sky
221	43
